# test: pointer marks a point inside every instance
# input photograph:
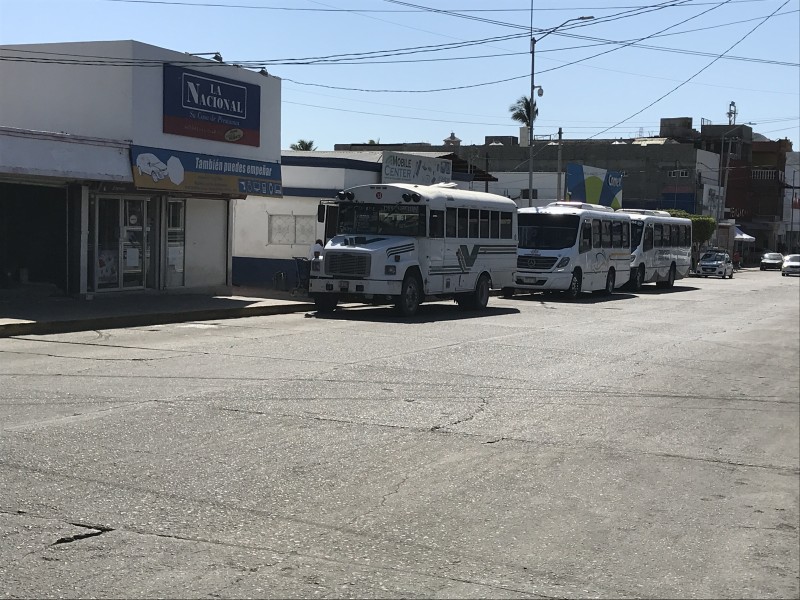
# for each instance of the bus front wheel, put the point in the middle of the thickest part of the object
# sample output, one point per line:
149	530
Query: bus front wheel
574	288
638	279
325	303
410	296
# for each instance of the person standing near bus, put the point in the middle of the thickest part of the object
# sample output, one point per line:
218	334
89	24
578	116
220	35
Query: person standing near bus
316	250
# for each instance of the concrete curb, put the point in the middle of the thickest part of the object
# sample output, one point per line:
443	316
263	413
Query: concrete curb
142	319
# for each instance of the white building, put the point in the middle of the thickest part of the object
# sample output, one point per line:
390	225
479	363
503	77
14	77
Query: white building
119	161
791	202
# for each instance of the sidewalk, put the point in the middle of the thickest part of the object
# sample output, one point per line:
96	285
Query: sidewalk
27	312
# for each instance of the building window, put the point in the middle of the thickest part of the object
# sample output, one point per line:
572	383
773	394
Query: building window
763	174
286	230
678	173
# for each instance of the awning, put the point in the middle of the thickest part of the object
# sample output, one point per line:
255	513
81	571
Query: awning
42	154
741	236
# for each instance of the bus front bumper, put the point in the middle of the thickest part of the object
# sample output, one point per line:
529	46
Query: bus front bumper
354	287
559	280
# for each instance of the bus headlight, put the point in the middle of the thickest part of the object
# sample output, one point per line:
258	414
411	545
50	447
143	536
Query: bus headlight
563	263
390	270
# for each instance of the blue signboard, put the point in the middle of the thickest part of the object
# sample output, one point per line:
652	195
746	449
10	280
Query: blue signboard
204	105
176	171
594	185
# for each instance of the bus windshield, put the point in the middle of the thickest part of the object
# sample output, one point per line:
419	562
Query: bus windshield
381	219
547	232
637	227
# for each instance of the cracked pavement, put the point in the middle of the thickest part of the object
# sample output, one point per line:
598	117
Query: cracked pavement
635	446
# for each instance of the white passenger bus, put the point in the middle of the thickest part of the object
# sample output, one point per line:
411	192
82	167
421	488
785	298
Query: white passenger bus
572	247
661	247
404	244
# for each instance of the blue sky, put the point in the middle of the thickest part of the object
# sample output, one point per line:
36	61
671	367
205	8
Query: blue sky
613	76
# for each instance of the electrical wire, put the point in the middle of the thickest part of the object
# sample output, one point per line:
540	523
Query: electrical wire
657	100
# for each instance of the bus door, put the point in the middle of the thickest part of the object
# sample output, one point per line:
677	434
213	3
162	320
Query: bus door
434	252
584	246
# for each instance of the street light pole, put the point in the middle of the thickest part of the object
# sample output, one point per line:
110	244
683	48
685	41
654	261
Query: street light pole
720	212
541	92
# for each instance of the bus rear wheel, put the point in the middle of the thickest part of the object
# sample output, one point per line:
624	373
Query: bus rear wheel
610	282
479	297
670	279
574	289
410	296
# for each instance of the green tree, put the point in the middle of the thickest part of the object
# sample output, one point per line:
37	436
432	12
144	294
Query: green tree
521	110
372	142
703	226
303	145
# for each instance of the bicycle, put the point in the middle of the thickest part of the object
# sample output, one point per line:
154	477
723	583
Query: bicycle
302	276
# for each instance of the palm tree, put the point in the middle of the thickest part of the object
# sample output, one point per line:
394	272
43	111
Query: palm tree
521	110
303	145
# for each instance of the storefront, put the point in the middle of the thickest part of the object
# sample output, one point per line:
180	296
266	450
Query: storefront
117	192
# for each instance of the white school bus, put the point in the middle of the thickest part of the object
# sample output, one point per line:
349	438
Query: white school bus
572	247
661	247
403	244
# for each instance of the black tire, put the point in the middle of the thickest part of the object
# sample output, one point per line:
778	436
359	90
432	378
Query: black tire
325	303
611	278
508	292
638	279
783	274
574	289
479	297
411	295
731	275
670	279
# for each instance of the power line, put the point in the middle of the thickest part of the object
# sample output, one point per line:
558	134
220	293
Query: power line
741	39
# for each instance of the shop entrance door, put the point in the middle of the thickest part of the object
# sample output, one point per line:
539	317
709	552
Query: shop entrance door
125	244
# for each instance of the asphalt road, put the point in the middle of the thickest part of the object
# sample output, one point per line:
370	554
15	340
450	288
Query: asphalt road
640	445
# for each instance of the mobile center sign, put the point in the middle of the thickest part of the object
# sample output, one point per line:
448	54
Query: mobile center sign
410	168
203	105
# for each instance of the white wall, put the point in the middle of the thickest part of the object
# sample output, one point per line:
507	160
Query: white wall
78	99
511	184
206	243
120	102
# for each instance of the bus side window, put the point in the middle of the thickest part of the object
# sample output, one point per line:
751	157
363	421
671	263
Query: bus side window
595	233
484	223
506	225
616	234
494	225
626	235
648	238
436	222
586	237
450	222
658	235
473	222
463	221
606	234
675	236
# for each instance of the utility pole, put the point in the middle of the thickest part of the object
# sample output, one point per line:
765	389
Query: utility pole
558	169
486	186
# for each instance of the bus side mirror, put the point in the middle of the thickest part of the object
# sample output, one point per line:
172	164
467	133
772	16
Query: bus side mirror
321	213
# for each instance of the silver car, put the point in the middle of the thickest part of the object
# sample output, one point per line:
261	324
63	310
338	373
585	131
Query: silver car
791	265
715	263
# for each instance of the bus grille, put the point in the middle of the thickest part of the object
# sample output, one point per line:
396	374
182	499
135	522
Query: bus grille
538	263
346	264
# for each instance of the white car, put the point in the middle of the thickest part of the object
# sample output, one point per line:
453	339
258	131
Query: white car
791	265
715	263
149	164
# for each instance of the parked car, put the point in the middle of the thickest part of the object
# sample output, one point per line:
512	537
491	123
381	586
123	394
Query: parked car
715	263
771	260
791	265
